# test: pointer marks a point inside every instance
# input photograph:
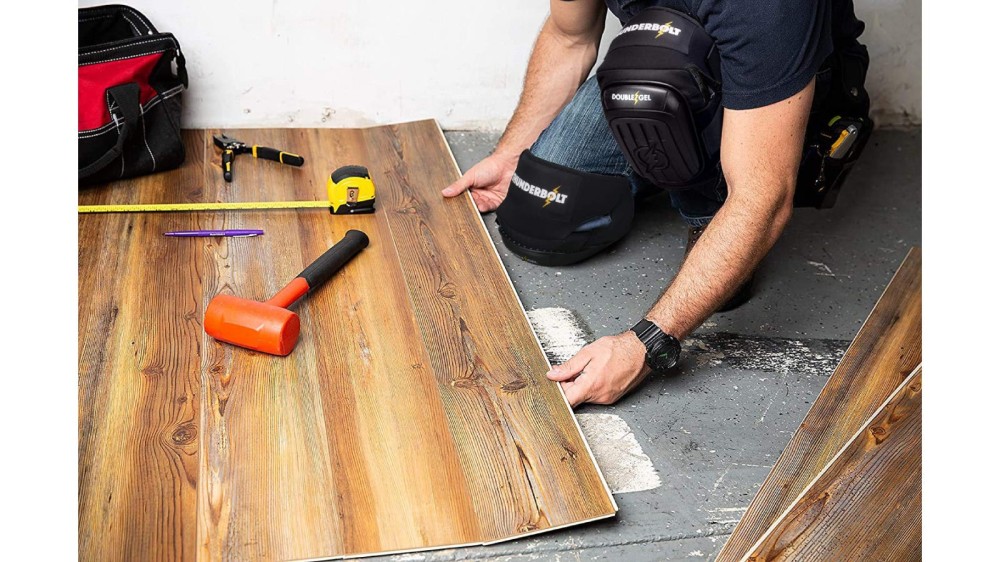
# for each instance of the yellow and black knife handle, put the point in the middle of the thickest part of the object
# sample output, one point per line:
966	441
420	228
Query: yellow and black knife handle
227	164
277	155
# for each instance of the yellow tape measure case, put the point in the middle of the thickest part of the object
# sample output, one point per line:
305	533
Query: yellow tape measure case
351	191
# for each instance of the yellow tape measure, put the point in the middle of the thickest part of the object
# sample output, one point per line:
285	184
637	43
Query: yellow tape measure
174	207
349	188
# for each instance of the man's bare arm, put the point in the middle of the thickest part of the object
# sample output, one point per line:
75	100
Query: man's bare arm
564	53
761	149
760	157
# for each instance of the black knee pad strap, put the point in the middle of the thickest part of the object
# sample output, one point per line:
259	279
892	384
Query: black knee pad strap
540	220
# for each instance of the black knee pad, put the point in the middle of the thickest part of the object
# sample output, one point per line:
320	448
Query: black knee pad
660	89
554	215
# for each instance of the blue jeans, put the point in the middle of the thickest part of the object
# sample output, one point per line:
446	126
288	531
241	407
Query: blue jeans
579	138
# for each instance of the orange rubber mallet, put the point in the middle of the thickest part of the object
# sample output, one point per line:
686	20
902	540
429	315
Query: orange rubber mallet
269	326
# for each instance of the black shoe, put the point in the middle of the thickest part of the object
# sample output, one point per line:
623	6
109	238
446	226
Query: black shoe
743	293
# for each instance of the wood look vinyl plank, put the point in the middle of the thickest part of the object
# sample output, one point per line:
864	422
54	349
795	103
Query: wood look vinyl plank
463	312
414	412
139	379
884	353
865	504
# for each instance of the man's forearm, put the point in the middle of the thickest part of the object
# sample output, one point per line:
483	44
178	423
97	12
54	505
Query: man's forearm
760	154
559	63
732	245
760	159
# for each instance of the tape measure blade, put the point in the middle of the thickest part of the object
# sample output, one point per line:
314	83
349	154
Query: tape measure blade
188	207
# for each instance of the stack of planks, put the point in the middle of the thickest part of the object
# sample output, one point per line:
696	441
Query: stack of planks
414	412
847	486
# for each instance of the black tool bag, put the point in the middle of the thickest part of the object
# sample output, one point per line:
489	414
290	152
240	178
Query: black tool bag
130	79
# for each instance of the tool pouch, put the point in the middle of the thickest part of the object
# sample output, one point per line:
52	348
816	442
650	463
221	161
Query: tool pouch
130	79
839	122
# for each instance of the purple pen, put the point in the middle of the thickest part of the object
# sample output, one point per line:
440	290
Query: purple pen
197	233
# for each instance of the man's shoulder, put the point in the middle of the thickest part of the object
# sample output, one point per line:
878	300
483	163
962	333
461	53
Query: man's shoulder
770	49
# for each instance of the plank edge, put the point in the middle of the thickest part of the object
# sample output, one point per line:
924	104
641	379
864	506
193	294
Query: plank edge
456	545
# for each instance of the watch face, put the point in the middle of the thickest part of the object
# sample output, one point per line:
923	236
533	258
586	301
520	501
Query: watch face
664	354
662	350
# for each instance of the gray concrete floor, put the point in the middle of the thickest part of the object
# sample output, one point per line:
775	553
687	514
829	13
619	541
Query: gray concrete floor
714	428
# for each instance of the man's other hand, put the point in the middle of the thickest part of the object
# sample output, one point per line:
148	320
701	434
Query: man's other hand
603	371
487	181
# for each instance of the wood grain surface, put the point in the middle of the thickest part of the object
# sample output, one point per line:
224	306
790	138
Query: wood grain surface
414	412
865	504
885	351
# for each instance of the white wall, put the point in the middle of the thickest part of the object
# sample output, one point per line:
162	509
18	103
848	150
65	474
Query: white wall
300	63
892	34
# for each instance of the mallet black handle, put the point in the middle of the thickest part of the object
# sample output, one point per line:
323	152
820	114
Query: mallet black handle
277	155
321	270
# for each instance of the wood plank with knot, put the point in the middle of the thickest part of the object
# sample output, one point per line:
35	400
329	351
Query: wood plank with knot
884	353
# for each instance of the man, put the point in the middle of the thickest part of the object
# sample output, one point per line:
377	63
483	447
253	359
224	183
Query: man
769	53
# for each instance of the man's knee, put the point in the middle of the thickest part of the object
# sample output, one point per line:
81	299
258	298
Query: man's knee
661	97
579	136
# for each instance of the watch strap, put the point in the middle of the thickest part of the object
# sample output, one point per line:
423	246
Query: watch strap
646	331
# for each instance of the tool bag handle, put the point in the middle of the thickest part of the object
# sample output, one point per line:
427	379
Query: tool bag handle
126	97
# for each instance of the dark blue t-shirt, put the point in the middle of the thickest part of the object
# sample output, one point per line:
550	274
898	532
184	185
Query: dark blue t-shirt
769	49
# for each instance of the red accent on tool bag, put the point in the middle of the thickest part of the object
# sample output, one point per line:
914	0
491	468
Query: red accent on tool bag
94	80
130	77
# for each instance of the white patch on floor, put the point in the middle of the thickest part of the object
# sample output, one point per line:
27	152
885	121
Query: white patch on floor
823	269
743	508
625	466
559	332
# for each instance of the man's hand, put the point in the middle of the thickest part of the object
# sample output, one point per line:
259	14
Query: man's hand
603	371
564	53
487	181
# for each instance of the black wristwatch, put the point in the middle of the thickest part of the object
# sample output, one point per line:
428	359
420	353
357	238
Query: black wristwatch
662	350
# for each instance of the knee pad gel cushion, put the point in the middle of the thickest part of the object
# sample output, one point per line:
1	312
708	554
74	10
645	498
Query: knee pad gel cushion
661	96
554	215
